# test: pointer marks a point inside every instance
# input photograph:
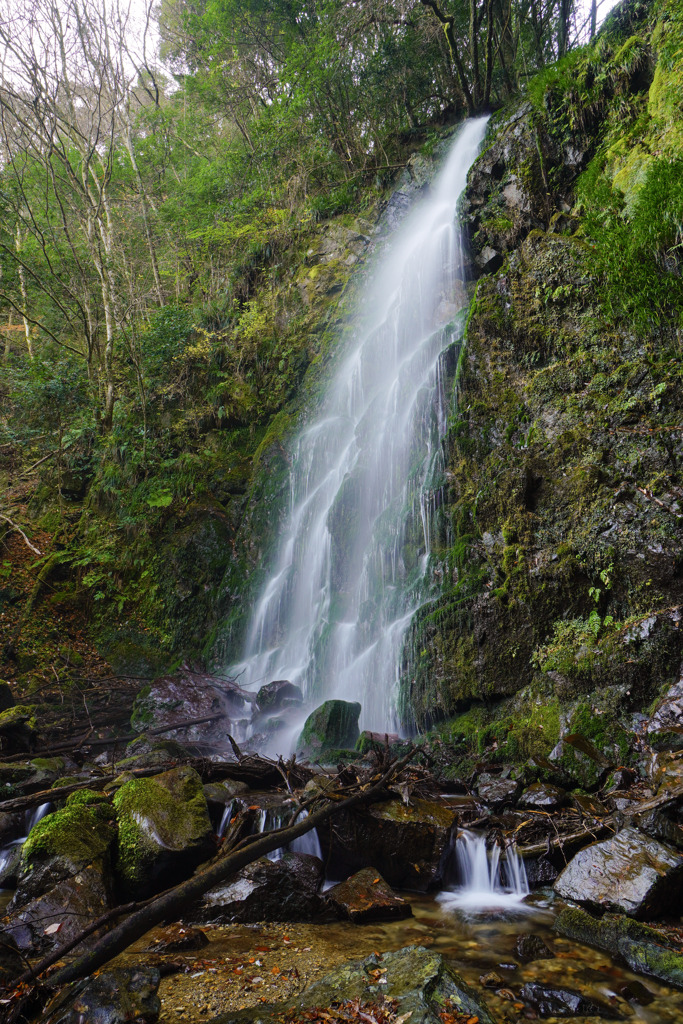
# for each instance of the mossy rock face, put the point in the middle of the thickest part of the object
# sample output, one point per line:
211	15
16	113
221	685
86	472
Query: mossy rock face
332	726
62	844
646	950
164	830
86	797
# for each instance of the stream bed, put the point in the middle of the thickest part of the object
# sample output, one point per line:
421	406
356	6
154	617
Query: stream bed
244	965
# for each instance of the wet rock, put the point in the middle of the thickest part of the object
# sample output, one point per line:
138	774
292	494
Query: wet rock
152	752
367	897
266	890
224	792
543	796
11	827
532	947
646	950
12	963
60	914
280	693
619	780
61	845
565	1002
629	873
185	696
118	996
589	806
410	842
420	980
164	830
635	992
178	938
497	791
540	871
656	824
332	726
664	730
10	861
491	980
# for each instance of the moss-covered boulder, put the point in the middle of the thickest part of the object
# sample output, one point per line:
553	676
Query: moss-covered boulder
6	696
629	873
18	733
332	726
164	830
409	842
646	950
62	844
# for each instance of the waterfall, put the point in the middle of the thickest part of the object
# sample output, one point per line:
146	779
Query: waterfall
352	562
484	882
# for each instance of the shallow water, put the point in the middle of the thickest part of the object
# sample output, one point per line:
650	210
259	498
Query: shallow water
244	965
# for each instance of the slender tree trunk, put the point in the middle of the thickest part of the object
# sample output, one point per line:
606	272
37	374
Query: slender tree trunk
145	218
24	296
447	23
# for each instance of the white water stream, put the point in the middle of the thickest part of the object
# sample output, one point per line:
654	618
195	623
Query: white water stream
485	883
351	564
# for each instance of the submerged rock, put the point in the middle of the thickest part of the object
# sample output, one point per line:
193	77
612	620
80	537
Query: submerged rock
644	949
118	996
532	947
629	873
565	1002
410	842
178	938
418	979
267	890
332	726
164	830
367	897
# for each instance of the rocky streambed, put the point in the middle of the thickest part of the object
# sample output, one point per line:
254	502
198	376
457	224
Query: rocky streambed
580	859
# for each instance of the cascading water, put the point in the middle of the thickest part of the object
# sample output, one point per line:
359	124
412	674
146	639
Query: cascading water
485	883
351	565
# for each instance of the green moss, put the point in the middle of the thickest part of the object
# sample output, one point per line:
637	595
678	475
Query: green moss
86	797
79	833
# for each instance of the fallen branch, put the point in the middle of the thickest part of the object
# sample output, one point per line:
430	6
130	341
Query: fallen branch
538	849
20	803
169	906
18	530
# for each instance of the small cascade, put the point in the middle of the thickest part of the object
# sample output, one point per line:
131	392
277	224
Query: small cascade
9	853
356	557
486	881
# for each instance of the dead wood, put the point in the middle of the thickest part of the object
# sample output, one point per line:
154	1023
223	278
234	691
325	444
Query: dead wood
170	905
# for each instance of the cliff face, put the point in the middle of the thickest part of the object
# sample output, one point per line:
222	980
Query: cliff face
565	577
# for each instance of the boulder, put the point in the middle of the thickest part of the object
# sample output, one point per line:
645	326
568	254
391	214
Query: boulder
423	988
629	873
589	806
332	726
11	827
10	861
185	696
60	914
542	796
549	1001
646	950
410	842
164	830
278	694
664	730
497	791
367	897
6	696
267	890
122	995
18	733
61	845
